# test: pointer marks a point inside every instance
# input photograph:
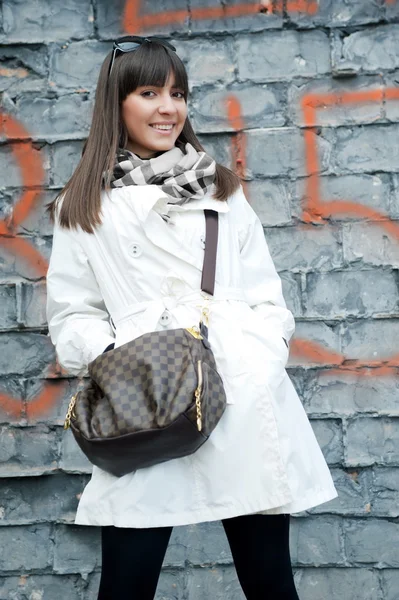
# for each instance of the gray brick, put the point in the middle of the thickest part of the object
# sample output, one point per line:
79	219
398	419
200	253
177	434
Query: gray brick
341	113
12	411
270	200
72	458
40	587
348	584
171	586
49	119
323	336
27	451
8	303
219	147
207	61
339	13
390	579
351	392
316	541
39	499
385	492
65	157
329	435
45	21
373	340
198	545
394	205
77	549
353	494
31	352
340	294
292	293
37	221
372	440
91	586
25	548
371	148
372	191
373	49
372	541
10	170
209	111
280	151
370	244
16	265
77	65
7	197
391	12
217	583
164	26
23	69
33	305
109	19
304	248
300	54
241	22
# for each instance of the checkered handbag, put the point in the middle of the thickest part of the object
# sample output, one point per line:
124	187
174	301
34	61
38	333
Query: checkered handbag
155	398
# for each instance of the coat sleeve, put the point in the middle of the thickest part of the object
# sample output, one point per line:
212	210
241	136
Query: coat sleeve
261	282
78	322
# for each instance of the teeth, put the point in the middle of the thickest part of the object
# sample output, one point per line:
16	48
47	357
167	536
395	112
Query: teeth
163	127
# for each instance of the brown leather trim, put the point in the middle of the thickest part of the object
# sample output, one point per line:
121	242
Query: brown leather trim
211	244
124	454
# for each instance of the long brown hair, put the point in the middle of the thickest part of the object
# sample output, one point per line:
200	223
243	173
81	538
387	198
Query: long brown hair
151	64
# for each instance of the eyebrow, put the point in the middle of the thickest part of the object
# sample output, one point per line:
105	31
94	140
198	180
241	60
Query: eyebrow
159	87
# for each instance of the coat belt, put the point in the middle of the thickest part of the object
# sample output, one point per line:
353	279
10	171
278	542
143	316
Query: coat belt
153	309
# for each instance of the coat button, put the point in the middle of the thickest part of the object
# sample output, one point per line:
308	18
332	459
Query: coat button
165	318
203	241
135	250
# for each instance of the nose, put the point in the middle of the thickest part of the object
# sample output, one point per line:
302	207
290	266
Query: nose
167	106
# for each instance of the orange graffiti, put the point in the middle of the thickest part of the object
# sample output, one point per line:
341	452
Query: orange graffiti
316	209
238	143
32	175
134	21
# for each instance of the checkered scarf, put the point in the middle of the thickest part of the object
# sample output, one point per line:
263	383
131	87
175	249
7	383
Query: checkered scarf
182	175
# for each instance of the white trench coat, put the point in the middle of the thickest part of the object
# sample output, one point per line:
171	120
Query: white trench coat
142	267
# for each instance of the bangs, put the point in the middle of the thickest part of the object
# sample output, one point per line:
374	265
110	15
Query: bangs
151	64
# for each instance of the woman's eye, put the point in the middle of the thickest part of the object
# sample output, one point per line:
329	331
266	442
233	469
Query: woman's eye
179	94
147	93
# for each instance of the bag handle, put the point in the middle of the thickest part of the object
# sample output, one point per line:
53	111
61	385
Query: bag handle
211	245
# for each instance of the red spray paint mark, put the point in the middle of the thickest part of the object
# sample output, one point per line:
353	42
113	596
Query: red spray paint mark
316	209
134	21
32	175
238	143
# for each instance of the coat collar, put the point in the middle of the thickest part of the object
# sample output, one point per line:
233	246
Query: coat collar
146	198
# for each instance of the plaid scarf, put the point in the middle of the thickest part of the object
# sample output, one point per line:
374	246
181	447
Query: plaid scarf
182	175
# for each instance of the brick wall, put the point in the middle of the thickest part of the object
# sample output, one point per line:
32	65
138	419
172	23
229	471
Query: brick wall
315	87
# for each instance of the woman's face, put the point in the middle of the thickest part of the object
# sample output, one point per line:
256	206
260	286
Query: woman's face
154	118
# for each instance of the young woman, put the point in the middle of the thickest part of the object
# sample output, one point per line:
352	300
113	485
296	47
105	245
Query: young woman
127	258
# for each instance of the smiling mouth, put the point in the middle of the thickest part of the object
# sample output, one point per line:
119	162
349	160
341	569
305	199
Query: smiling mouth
163	127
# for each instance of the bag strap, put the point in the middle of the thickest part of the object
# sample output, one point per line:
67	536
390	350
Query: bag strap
211	245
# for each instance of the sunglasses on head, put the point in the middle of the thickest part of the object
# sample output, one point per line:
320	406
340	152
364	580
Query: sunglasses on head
130	43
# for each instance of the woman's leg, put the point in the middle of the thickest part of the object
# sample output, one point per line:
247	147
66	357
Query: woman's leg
131	562
260	548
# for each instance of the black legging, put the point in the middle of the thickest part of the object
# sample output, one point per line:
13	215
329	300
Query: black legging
132	559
